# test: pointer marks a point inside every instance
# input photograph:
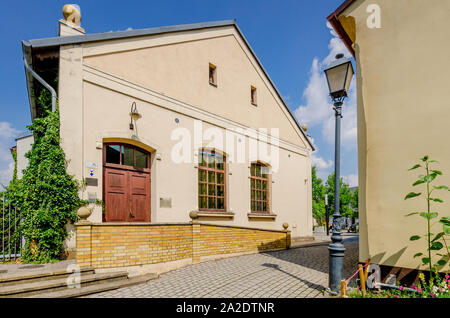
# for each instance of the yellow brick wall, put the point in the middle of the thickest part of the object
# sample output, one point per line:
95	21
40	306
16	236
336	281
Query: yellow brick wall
113	245
218	240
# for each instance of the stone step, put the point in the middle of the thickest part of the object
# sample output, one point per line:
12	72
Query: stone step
98	288
35	276
37	287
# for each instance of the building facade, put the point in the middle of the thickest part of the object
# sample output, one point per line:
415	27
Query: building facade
402	57
177	123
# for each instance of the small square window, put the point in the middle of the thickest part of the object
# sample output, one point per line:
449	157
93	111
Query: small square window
253	95
212	74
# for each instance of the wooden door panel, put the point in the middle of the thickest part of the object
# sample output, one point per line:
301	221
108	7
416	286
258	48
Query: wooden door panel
140	197
116	191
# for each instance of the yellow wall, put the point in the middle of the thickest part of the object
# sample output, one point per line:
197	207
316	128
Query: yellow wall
403	114
117	244
167	76
178	67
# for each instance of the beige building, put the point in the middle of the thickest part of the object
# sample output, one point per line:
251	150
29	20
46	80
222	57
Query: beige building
402	55
23	145
176	123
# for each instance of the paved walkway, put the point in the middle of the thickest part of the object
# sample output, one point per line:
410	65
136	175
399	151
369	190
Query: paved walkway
297	272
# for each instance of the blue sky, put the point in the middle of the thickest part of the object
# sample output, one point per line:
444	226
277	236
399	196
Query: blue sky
290	37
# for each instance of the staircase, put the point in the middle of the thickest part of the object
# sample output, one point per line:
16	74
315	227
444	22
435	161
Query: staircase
54	284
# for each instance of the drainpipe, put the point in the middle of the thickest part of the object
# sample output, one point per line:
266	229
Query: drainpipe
41	80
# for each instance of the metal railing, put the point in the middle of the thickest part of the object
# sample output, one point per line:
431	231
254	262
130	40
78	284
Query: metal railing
11	238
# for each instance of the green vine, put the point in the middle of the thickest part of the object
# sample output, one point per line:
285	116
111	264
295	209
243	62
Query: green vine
46	196
14	155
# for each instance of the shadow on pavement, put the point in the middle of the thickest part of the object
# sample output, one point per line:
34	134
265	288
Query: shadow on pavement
317	257
308	283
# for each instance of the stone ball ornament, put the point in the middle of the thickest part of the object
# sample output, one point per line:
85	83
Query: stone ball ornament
84	213
285	225
193	214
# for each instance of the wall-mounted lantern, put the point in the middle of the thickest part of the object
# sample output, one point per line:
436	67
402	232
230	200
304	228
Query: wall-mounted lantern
134	115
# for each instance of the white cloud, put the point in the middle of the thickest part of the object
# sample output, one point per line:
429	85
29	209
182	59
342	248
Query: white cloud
318	109
323	166
6	175
351	180
7	135
6	131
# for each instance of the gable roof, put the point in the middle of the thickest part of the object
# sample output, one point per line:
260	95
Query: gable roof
28	46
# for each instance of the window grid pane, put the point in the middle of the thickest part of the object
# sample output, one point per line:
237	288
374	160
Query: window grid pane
127	155
211	171
259	178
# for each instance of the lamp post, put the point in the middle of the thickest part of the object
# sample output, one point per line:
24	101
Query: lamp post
326	214
339	74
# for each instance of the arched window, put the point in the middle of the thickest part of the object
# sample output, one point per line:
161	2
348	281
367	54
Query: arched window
259	187
211	181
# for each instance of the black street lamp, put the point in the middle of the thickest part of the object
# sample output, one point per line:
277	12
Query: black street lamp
339	74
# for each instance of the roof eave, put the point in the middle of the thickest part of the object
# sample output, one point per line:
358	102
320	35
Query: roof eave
26	52
337	26
104	36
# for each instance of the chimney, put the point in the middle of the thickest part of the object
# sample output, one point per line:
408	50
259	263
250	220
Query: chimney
70	25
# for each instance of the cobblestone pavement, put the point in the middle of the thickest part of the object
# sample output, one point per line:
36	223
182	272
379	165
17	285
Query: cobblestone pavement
297	272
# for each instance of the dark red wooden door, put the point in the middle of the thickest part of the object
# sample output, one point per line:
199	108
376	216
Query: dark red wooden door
139	196
116	195
126	185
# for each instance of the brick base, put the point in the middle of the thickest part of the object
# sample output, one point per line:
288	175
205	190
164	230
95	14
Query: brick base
104	245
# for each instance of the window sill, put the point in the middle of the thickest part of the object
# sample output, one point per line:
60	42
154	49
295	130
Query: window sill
262	216
210	214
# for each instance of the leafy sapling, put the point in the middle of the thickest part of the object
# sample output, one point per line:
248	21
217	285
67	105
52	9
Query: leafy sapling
438	241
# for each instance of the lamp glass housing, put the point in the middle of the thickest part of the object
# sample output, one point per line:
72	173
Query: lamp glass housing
339	75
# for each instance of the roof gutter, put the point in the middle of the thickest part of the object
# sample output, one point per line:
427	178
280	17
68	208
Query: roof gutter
29	70
337	26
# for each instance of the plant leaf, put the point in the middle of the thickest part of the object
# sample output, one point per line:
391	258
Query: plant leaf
445	220
412	213
418	254
441	187
412	195
425	158
441	262
418	182
438	236
430	177
414	238
446	228
415	167
430	215
437	172
425	260
436	200
436	246
433	161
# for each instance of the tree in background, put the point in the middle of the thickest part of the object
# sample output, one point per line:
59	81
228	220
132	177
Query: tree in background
345	197
318	197
354	204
